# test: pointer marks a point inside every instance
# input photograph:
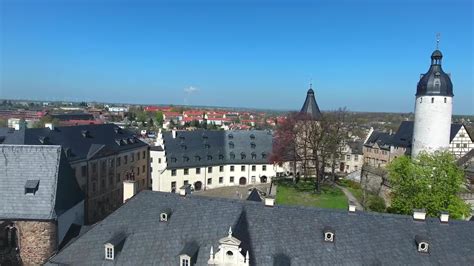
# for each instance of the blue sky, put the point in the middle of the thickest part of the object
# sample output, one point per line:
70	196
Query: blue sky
363	55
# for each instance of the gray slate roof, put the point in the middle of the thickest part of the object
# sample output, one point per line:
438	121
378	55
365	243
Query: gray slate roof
435	82
310	107
207	147
79	142
277	235
57	188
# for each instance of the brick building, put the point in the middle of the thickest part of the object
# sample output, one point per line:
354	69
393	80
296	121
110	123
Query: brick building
39	201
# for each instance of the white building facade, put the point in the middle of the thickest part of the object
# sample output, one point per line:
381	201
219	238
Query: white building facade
208	159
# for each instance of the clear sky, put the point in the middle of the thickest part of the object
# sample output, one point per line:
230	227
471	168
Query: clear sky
363	55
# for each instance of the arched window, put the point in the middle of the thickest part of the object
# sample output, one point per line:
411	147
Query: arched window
432	99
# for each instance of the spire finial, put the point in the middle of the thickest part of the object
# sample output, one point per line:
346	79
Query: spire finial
438	37
311	83
230	231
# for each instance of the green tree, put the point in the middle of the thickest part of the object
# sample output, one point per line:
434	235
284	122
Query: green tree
159	118
431	182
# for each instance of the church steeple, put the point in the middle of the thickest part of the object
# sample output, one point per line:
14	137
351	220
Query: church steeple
310	107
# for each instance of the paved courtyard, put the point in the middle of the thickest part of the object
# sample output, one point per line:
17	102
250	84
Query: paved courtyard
234	192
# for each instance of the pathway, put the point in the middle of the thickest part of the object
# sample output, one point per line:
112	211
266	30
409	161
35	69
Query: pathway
351	197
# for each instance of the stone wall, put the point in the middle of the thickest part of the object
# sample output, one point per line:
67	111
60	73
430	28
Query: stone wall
375	180
36	240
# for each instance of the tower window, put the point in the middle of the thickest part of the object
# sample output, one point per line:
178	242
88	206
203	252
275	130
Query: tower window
444	99
421	99
432	100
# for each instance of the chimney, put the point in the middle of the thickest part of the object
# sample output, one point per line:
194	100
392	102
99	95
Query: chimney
49	125
269	201
352	206
185	190
173	133
444	217
419	214
129	189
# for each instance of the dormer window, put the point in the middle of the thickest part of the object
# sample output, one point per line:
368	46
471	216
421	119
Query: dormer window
109	252
221	156
165	215
422	244
252	145
185	261
209	157
173	159
186	158
232	155
197	158
31	186
231	145
329	234
252	136
207	146
231	136
242	156
85	133
264	155
183	147
114	245
254	155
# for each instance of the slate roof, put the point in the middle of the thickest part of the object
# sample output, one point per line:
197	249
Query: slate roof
57	189
356	147
404	134
382	139
310	107
79	142
427	85
208	147
277	235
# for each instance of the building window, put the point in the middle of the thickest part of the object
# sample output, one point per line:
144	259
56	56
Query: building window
432	100
209	181
94	186
221	180
138	170
231	179
132	157
143	169
173	172
119	161
264	168
173	186
198	171
118	178
348	157
232	168
94	168
109	253
186	171
83	170
254	168
464	145
242	168
159	160
221	168
184	262
144	154
356	157
185	182
458	145
209	169
125	159
444	99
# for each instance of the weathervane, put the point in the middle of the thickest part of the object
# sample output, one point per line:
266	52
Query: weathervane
438	36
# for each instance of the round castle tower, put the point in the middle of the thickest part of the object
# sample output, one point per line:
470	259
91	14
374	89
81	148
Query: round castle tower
433	109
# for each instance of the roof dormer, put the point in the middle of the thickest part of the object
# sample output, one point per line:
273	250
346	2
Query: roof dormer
329	234
229	252
422	244
114	246
165	215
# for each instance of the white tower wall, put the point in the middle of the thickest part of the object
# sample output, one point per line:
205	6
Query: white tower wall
432	125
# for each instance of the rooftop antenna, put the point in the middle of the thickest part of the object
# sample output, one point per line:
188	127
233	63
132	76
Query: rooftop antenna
438	36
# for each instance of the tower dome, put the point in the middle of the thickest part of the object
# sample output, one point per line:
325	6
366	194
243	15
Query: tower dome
310	107
435	82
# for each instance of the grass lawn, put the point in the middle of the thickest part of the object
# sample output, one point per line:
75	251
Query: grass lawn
303	194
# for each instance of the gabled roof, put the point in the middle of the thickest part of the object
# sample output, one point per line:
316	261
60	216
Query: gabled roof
211	147
81	141
356	146
310	107
45	167
382	140
272	235
254	195
404	134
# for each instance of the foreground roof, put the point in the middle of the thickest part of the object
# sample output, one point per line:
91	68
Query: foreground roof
212	147
79	142
279	235
44	170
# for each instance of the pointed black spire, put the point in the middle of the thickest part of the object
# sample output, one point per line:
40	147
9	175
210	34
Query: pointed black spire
310	107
